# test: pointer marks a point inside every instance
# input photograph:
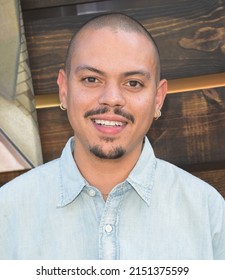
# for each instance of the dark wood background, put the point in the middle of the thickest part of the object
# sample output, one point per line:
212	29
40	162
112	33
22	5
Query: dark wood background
191	38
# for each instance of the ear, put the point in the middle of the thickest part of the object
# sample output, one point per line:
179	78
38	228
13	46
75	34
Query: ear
161	94
62	84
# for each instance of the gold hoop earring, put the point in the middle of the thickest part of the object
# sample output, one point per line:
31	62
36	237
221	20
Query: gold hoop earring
158	115
61	107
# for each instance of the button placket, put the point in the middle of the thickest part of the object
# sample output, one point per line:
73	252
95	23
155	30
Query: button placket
108	244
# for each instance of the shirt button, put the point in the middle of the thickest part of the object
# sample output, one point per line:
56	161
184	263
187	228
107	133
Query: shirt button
92	192
108	228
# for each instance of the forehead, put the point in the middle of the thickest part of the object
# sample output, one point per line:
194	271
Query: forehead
113	46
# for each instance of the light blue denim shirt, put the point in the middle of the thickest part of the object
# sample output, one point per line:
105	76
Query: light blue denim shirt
159	212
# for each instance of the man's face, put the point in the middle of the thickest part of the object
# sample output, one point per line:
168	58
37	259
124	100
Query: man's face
111	92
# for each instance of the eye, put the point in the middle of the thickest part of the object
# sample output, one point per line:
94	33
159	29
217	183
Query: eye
134	84
90	80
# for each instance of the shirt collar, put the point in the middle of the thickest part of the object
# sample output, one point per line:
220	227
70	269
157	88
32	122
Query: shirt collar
141	177
72	181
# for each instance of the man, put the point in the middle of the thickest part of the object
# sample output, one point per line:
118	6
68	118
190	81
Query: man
107	196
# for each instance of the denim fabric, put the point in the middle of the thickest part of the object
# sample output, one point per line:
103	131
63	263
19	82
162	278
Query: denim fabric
159	212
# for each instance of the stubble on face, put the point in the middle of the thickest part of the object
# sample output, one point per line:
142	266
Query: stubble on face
115	153
116	111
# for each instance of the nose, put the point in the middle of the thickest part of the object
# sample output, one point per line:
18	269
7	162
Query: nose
112	96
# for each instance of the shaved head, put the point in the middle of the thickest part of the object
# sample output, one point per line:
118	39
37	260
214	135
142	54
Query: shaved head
114	21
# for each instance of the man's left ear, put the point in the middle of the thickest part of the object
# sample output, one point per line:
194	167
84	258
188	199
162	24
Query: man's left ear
161	94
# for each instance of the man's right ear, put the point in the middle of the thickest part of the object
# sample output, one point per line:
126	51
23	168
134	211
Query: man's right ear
62	84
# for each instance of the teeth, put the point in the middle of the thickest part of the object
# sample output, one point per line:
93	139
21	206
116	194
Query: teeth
108	123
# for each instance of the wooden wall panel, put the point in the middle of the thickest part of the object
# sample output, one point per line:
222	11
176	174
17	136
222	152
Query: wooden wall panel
216	178
55	130
190	35
192	128
37	4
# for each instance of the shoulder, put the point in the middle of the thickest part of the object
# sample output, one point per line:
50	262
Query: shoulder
177	178
174	174
189	189
197	197
33	180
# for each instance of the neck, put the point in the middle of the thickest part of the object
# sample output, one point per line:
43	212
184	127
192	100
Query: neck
104	174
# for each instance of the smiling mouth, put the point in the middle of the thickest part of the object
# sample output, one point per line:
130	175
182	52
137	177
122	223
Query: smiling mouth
109	123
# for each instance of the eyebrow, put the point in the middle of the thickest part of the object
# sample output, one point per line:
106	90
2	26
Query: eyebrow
89	68
138	72
126	74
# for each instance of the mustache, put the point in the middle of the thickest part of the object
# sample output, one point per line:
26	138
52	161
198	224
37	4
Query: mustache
116	111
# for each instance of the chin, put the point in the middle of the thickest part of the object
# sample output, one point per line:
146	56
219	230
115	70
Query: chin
115	153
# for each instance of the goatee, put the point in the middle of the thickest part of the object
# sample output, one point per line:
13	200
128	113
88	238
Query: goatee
116	153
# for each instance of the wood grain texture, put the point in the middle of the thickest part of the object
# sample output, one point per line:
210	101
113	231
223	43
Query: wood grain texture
55	130
37	4
190	35
216	178
192	128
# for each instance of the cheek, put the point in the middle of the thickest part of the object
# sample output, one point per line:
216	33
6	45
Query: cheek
77	100
145	109
74	109
145	106
78	104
